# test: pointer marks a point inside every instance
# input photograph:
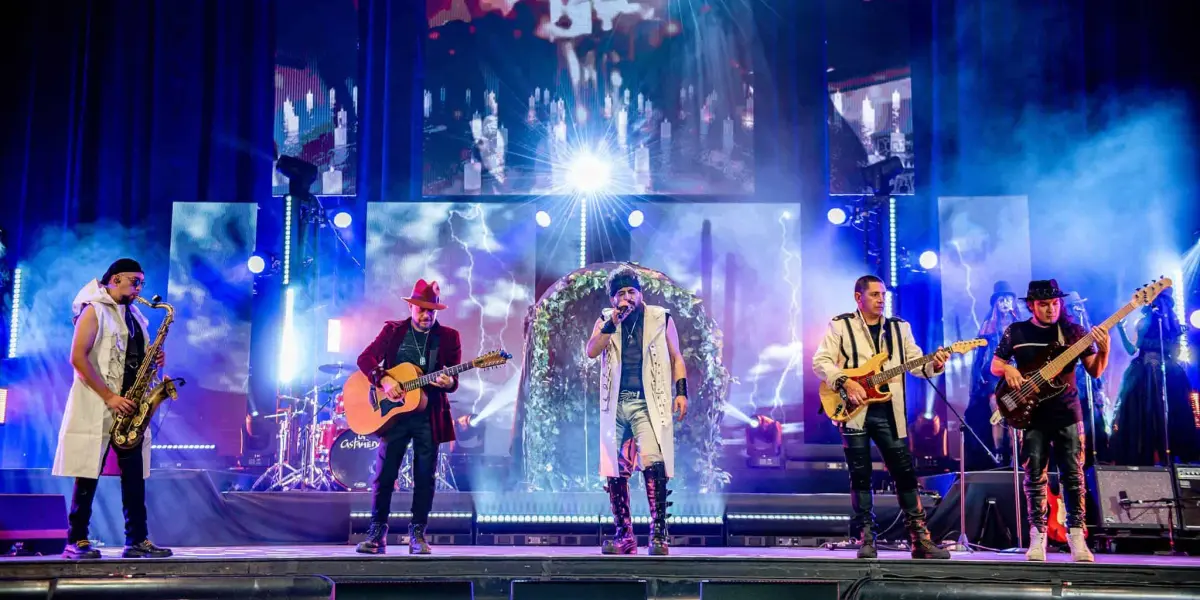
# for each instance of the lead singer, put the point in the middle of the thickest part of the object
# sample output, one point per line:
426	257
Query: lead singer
638	348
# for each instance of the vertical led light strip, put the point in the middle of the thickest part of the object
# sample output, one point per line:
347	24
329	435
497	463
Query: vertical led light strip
333	336
3	405
287	350
582	232
287	239
14	323
888	300
1185	353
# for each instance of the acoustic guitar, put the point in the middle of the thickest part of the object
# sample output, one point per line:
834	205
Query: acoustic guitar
369	410
1042	382
870	375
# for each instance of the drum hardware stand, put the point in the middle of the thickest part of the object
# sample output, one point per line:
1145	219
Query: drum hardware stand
281	471
309	476
443	474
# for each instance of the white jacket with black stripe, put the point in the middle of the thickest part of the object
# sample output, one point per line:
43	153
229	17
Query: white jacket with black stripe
847	344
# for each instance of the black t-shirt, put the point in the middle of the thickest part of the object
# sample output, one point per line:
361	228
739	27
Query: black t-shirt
413	348
135	352
631	350
1026	343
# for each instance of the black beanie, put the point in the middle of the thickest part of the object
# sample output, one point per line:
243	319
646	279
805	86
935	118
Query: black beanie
123	265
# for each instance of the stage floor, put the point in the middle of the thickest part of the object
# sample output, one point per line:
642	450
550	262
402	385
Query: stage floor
492	569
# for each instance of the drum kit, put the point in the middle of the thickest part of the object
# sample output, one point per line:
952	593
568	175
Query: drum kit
318	451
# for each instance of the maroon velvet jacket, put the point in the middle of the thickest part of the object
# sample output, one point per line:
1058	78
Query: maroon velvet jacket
380	355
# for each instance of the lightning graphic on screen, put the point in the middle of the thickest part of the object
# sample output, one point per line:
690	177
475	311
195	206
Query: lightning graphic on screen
790	275
967	272
478	216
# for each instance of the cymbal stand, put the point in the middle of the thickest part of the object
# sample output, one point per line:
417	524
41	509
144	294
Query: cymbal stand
443	474
309	476
281	471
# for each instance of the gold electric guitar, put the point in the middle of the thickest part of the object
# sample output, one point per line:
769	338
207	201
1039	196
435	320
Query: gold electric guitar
369	411
837	405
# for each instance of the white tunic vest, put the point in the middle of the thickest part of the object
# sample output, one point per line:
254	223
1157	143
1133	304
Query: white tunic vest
83	436
656	383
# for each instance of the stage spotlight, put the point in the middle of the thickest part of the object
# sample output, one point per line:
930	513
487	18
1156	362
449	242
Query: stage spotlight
928	259
543	218
1194	319
342	219
837	216
468	434
589	173
636	218
764	442
301	174
256	264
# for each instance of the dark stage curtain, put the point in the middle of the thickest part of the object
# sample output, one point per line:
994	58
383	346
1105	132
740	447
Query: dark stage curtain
121	108
393	41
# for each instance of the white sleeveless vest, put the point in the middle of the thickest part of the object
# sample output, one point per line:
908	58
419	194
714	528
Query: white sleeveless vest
656	383
83	436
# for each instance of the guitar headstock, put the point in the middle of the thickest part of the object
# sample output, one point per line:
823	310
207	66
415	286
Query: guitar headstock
1147	293
495	358
966	346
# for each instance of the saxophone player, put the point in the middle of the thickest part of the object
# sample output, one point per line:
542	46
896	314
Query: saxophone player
107	350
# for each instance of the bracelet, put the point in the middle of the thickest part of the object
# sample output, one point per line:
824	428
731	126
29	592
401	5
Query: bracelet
840	382
681	387
609	328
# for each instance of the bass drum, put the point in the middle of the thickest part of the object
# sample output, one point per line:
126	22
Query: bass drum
352	460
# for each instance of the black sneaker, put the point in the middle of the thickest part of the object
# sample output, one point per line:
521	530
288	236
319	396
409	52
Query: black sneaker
81	550
146	549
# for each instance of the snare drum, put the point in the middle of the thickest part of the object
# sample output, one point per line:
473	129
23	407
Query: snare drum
352	460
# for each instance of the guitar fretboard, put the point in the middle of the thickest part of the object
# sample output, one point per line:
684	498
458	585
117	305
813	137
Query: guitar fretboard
1054	367
428	378
887	375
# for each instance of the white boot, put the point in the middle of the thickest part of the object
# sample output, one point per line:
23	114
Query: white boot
1037	545
1078	544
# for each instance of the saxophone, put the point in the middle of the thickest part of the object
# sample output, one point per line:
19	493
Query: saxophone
148	390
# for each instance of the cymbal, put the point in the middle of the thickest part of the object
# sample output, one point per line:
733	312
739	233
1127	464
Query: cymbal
333	368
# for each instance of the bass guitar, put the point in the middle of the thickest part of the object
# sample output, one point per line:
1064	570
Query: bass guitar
369	410
871	376
1042	382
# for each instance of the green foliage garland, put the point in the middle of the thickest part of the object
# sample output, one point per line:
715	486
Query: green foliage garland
561	388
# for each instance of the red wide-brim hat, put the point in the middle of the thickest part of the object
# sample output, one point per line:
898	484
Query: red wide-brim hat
426	295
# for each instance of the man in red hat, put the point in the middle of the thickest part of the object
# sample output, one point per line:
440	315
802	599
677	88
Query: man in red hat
422	341
1057	422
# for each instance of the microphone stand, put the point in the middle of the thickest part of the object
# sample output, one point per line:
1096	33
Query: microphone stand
1166	407
962	541
1086	323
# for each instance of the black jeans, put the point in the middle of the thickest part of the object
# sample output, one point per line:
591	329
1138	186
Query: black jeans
880	427
133	500
392	446
1068	444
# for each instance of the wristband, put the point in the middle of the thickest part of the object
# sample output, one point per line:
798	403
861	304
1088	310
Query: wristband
840	382
681	387
609	328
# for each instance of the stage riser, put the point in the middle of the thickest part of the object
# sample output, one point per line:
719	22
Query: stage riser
173	588
904	590
324	588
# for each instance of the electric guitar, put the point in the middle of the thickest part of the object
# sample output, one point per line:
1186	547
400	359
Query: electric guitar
1042	382
837	404
369	411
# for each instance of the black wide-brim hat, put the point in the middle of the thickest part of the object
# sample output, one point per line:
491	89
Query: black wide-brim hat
1044	289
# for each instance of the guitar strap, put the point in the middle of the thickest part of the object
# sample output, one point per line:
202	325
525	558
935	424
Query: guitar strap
431	353
853	345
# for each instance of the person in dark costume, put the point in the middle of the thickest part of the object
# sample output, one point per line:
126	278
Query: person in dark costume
1139	434
983	384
